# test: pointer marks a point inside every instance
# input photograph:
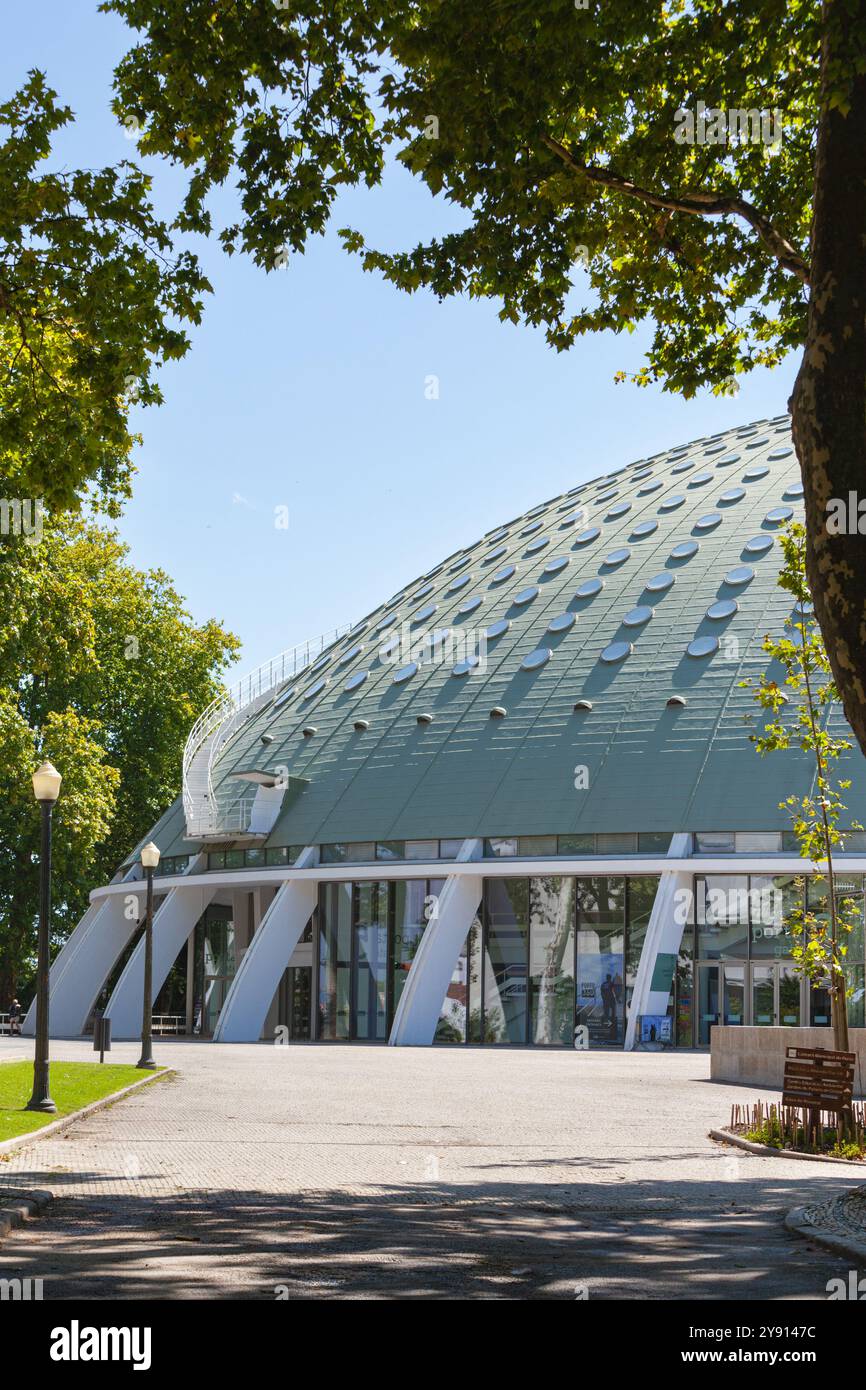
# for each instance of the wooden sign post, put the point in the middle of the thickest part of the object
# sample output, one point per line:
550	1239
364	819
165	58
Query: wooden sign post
818	1080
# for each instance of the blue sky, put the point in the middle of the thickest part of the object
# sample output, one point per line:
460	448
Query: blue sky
305	389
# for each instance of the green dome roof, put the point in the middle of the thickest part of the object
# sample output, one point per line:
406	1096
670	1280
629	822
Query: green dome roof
450	709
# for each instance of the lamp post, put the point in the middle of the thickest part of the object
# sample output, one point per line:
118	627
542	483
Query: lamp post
46	789
149	861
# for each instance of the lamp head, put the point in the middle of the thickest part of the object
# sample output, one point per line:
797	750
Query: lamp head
150	856
46	783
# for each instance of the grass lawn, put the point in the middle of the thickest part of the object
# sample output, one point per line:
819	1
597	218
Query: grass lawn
73	1085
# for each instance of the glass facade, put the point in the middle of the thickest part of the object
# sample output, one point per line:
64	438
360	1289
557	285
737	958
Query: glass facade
746	973
546	953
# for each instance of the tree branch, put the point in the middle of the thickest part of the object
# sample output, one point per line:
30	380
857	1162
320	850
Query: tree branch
697	204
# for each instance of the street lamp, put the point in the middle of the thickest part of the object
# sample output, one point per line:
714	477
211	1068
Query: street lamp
46	789
149	861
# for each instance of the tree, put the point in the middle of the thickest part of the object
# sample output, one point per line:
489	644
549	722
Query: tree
820	937
699	165
92	299
103	672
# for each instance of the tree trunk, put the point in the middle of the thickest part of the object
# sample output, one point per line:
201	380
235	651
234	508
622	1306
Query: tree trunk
828	403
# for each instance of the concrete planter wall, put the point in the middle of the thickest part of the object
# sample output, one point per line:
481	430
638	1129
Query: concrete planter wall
756	1056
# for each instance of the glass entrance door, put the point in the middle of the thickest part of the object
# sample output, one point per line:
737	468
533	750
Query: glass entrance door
371	982
776	996
708	1002
734	1009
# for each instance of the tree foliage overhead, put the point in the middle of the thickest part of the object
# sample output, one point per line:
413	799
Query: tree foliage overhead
92	298
102	671
553	128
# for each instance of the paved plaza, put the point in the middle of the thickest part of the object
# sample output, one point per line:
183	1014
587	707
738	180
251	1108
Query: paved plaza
369	1172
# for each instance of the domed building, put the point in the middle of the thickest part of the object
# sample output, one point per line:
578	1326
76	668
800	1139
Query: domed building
516	804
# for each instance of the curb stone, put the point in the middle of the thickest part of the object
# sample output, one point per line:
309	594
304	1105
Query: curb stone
724	1136
15	1213
20	1141
796	1222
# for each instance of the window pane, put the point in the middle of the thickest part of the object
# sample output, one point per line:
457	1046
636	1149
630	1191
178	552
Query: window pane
615	844
500	848
601	959
449	849
551	960
537	844
410	920
654	842
505	961
576	844
362	853
714	842
390	849
772	898
422	849
335	958
753	842
722	907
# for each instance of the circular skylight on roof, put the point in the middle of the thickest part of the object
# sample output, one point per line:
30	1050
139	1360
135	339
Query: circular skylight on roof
405	673
586	536
700	479
758	545
562	622
619	510
617	557
684	550
283	699
706	523
777	514
354	681
644	528
579	515
703	646
728	460
660	582
558	563
462	668
469	605
716	449
649	487
752	475
459	583
501	575
538	545
725	608
539	657
422	614
617	651
679	451
758	443
314	689
494	554
684	467
350	654
528	530
322	661
636	617
425	589
733	494
388	648
780	454
497	535
740	574
670	503
606	496
534	511
497	629
589	588
642	473
526	595
388	621
794	491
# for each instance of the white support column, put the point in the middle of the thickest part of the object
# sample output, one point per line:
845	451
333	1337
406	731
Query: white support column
662	944
85	962
430	975
243	1014
172	924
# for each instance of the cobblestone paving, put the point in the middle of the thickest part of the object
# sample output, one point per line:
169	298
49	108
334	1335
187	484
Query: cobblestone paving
393	1172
